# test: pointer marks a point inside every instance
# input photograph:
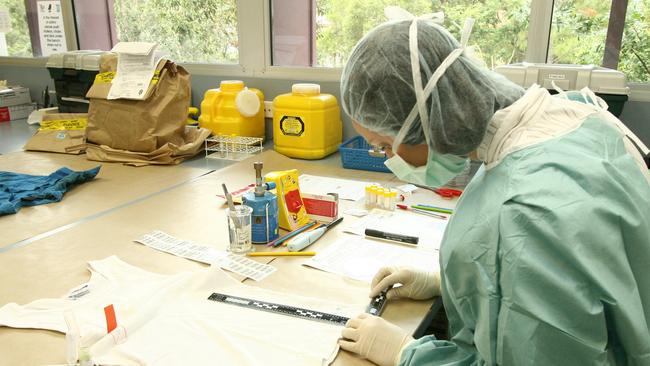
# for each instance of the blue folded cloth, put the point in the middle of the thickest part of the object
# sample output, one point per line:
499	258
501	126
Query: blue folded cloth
18	190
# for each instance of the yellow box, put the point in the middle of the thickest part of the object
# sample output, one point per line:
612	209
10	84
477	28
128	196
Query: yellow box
292	210
306	123
221	114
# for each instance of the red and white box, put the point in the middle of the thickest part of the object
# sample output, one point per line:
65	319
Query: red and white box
322	208
16	112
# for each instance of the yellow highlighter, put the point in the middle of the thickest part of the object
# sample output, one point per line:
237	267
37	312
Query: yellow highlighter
280	254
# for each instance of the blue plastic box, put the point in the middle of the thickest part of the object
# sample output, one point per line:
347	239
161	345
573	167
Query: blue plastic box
355	154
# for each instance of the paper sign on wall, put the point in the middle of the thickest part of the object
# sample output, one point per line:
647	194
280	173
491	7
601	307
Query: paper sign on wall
4	51
5	21
50	27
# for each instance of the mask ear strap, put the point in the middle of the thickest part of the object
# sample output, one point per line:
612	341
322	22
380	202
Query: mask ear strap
428	89
415	71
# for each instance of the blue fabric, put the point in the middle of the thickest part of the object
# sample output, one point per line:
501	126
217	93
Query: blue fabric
18	190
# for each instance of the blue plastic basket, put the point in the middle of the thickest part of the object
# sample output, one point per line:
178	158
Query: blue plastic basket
355	155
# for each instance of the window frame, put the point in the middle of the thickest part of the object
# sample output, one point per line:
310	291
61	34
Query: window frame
255	48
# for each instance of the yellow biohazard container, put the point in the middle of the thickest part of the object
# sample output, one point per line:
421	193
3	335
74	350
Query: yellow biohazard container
233	109
306	123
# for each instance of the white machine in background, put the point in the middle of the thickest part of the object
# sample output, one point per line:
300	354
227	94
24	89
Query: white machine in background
611	85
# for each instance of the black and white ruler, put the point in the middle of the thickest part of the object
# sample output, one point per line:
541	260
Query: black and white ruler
279	309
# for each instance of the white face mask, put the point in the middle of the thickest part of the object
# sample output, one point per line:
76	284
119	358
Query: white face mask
440	168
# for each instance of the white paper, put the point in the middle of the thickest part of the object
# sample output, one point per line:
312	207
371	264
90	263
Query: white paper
4	50
135	69
360	258
407	188
429	230
346	189
50	27
5	21
235	263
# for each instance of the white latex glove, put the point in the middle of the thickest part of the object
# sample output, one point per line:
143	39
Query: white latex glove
374	338
416	284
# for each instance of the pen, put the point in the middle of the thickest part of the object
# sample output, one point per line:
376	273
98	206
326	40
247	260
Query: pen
422	212
306	239
280	254
422	206
279	240
311	228
407	239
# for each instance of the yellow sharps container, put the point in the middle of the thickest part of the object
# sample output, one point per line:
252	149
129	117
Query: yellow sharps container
233	109
306	123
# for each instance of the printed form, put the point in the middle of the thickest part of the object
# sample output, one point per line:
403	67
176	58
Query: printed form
429	230
360	258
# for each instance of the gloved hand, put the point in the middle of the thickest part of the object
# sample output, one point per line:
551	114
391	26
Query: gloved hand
375	339
416	284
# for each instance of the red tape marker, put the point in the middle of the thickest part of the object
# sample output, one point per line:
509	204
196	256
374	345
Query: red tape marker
111	322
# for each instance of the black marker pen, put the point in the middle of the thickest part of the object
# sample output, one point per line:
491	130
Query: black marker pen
392	236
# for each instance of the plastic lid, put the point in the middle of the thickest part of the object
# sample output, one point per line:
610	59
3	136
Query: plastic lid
248	103
79	60
305	89
392	194
231	85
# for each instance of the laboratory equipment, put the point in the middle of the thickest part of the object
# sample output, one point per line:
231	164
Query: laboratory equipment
306	123
233	109
265	208
611	85
292	209
239	229
232	147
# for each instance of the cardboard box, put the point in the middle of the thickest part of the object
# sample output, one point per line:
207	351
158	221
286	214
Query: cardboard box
17	95
15	112
322	208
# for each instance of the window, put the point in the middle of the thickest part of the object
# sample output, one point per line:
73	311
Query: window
600	33
14	35
323	32
30	28
185	30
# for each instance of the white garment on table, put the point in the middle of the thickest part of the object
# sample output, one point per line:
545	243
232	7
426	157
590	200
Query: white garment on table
179	326
112	281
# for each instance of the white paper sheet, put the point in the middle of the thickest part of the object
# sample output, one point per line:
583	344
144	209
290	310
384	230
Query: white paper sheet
135	68
360	258
50	27
350	190
428	229
5	21
204	254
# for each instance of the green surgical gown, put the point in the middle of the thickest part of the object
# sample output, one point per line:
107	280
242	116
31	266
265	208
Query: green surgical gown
547	259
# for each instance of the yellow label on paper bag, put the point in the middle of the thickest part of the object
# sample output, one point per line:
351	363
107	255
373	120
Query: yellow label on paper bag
64	124
108	76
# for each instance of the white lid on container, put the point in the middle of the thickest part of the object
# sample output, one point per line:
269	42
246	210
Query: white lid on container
305	88
248	103
79	60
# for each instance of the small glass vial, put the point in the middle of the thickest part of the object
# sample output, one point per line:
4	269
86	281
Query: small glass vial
380	197
368	200
392	200
373	196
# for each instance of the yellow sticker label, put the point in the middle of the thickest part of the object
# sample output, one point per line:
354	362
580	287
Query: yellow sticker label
108	76
105	77
64	124
292	126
